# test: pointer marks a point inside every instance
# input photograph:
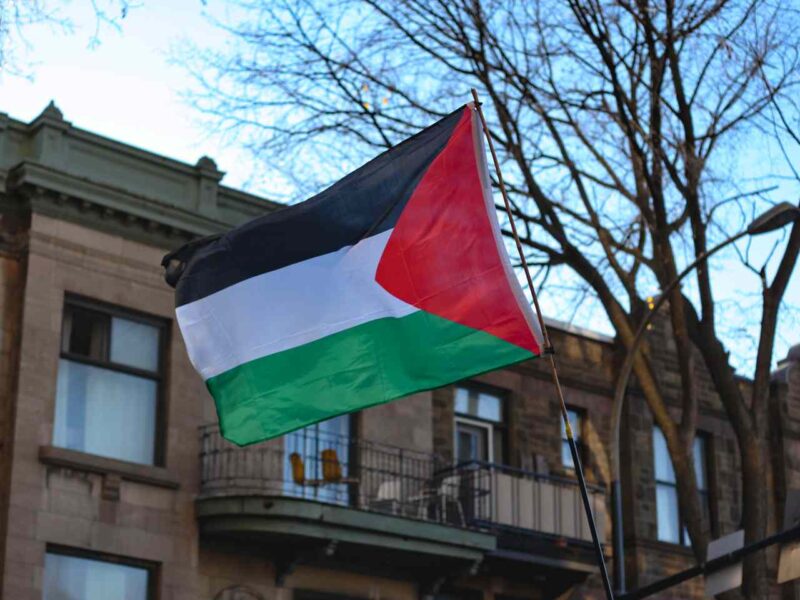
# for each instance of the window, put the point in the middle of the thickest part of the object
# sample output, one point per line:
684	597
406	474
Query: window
670	527
69	576
109	377
575	423
479	426
316	461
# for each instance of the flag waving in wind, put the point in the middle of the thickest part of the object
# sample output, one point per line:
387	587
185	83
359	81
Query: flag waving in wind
392	281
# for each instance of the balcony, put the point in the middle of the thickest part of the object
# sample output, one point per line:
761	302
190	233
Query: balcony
323	493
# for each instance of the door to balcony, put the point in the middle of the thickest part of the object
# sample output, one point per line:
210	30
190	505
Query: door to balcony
473	441
315	458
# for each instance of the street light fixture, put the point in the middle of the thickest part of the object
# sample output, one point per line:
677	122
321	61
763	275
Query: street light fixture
776	217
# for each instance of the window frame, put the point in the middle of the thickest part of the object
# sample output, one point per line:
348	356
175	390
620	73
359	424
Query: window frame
152	568
476	421
705	494
72	301
581	414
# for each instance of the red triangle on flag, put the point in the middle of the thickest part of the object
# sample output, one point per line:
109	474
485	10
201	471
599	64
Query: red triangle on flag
443	256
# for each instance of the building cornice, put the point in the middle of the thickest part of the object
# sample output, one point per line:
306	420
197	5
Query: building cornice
51	167
32	187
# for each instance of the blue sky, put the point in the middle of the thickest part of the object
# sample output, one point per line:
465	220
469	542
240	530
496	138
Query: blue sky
127	88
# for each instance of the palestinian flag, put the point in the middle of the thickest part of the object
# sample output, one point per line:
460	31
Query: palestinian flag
392	281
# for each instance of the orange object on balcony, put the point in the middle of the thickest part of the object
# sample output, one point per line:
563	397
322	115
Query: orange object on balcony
298	469
331	468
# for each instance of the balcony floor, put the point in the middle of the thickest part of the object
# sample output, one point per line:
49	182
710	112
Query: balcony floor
295	517
308	532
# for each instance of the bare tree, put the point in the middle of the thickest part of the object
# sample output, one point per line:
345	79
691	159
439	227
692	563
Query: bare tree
18	16
621	126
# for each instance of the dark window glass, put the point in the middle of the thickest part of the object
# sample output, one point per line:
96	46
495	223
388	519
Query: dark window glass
86	333
109	379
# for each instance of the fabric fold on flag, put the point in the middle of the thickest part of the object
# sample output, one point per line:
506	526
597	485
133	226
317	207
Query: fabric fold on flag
392	281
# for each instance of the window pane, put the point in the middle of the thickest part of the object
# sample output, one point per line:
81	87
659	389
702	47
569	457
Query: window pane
104	412
489	407
471	442
667	513
337	428
85	333
663	464
462	400
478	404
699	451
134	344
466	446
574	423
499	449
566	455
331	437
705	503
71	577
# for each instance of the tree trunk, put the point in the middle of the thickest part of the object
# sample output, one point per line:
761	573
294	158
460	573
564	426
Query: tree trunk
754	516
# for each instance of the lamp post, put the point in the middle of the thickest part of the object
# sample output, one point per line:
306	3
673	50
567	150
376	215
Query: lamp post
776	217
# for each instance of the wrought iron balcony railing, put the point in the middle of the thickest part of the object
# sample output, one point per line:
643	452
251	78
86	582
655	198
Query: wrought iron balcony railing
320	466
337	469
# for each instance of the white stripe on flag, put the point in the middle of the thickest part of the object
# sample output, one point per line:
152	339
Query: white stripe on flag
288	307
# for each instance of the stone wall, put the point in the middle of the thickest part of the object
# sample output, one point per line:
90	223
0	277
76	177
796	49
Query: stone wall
13	262
72	507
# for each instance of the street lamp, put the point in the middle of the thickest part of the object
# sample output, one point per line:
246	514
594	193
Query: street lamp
776	217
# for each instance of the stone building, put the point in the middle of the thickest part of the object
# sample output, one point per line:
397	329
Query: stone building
113	475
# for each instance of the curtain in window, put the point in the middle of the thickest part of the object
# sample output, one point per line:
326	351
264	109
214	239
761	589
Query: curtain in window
74	578
105	412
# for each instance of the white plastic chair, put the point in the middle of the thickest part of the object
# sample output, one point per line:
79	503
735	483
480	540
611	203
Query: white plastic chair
450	491
390	492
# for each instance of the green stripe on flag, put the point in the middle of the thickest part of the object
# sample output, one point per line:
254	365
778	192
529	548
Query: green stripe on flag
350	370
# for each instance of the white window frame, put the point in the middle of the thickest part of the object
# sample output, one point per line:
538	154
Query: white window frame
487	425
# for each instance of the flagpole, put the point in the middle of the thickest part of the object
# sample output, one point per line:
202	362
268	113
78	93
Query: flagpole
548	350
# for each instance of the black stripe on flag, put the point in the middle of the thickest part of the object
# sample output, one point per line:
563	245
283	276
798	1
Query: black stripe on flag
366	202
